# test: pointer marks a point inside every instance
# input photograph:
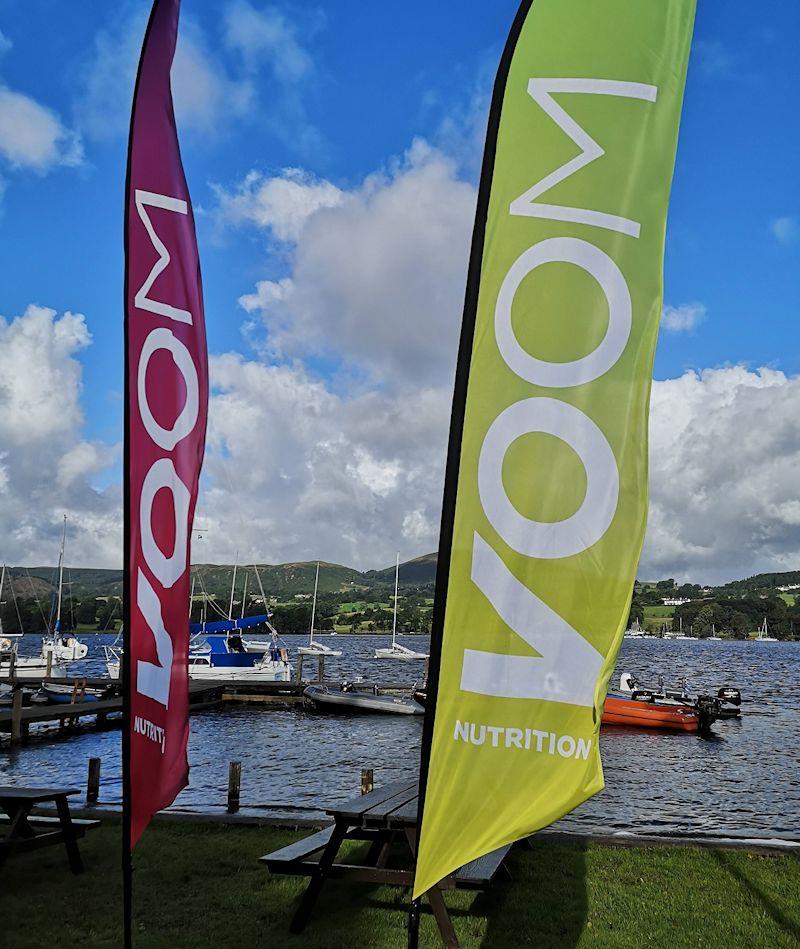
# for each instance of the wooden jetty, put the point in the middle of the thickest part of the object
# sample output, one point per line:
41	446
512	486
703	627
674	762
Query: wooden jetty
107	711
18	719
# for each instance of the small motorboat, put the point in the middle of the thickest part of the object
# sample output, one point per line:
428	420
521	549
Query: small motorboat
646	708
62	694
728	698
348	700
636	711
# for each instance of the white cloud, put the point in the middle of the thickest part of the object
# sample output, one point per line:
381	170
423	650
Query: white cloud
378	278
281	204
32	136
45	464
683	318
216	79
724	456
5	43
295	472
266	35
205	94
784	229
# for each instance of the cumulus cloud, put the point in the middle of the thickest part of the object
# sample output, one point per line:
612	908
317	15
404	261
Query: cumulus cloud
45	464
33	136
784	229
281	204
378	276
205	94
683	318
724	456
296	472
215	79
267	35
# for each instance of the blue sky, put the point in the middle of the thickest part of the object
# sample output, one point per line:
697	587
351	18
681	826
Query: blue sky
341	91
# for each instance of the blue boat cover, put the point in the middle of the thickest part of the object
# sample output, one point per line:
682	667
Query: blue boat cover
228	625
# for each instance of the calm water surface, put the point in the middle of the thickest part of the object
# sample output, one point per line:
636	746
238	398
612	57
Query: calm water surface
745	780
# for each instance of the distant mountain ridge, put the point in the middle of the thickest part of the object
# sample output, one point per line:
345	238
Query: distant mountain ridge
277	579
289	579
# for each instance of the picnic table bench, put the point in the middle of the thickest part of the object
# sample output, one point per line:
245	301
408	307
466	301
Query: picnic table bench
382	817
29	832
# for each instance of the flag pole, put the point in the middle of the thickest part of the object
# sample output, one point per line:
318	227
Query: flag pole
457	431
125	664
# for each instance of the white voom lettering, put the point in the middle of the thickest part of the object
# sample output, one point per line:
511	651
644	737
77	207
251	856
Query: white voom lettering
567	667
141	300
541	90
153	678
168	438
557	375
162	474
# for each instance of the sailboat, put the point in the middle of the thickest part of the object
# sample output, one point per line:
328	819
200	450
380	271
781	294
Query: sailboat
7	643
24	667
396	651
691	637
63	647
763	634
314	647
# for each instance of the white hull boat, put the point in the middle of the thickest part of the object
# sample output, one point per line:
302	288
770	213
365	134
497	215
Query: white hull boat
396	651
31	667
314	647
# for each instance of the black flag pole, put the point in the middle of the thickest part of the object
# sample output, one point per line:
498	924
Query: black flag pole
457	430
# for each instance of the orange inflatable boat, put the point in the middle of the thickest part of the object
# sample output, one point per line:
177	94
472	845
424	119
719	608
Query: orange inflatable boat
640	714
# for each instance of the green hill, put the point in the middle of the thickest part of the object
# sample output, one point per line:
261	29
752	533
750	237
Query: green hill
279	579
420	571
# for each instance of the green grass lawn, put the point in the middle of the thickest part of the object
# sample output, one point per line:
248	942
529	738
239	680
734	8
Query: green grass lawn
658	612
200	885
789	598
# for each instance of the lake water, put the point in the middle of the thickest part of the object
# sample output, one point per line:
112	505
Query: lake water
745	780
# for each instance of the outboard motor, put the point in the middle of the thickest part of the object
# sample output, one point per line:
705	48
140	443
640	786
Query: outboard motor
627	682
708	711
727	694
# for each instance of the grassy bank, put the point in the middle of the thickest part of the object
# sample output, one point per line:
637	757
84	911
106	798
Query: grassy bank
201	886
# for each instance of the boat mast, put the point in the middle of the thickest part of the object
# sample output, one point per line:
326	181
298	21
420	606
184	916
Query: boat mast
57	628
233	585
394	617
314	606
244	595
2	581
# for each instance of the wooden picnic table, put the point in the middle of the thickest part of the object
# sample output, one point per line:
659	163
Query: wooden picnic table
28	832
383	816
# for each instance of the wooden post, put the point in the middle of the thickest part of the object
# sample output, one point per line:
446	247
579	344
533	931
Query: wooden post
49	664
93	781
16	716
366	780
320	668
234	784
12	664
300	667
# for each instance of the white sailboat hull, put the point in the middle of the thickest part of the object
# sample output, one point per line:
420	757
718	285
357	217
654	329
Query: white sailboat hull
32	667
399	652
266	672
317	649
